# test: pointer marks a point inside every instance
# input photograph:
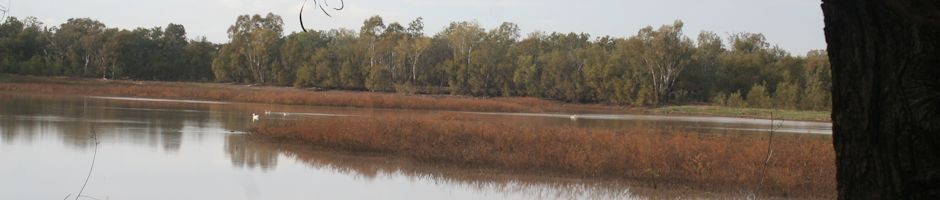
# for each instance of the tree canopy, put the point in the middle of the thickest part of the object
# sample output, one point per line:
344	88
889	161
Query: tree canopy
655	66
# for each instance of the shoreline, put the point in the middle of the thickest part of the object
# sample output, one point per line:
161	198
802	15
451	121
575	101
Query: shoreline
363	99
802	166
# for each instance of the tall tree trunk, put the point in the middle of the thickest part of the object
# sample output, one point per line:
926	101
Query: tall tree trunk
885	57
414	68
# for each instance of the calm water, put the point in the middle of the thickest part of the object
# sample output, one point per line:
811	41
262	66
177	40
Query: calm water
158	149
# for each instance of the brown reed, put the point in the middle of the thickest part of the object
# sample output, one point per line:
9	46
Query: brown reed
289	96
802	166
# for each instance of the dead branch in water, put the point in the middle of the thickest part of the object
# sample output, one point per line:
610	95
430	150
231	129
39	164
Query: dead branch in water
94	157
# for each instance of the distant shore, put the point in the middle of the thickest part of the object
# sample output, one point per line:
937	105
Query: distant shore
362	99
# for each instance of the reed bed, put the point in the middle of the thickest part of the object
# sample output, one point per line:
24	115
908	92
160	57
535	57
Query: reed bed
287	96
801	166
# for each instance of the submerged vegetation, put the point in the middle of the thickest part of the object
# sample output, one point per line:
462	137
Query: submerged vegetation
801	165
655	66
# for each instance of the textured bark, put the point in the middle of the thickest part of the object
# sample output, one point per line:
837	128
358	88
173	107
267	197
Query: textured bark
885	59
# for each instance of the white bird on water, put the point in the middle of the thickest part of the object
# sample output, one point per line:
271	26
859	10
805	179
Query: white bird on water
574	117
254	117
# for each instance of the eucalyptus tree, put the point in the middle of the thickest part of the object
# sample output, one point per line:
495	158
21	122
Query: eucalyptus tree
667	53
115	51
78	40
655	66
562	76
254	48
418	44
527	72
170	63
493	74
371	28
22	40
296	53
817	87
463	37
198	56
393	49
698	83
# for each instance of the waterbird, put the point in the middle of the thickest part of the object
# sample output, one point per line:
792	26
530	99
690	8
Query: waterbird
254	117
574	117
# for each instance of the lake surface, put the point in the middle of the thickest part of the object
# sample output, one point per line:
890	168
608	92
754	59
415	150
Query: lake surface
168	149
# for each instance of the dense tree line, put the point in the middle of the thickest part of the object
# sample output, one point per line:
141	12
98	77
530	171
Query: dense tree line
85	47
655	66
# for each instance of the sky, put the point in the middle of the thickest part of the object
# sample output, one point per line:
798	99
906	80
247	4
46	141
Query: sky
794	25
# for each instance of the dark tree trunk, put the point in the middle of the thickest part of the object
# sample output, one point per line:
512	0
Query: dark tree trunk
885	59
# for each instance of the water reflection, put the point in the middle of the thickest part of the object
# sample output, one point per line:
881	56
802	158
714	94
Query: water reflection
196	150
72	120
245	153
489	183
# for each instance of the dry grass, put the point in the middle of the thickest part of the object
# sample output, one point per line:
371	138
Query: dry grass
263	154
287	96
802	166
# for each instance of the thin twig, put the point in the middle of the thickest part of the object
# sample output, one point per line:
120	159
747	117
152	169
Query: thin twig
301	16
322	8
770	150
94	137
6	9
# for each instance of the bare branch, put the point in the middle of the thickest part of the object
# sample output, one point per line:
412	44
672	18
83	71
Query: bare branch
322	9
301	16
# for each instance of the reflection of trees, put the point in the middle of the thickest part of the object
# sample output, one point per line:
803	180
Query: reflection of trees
252	153
230	121
245	153
73	119
28	117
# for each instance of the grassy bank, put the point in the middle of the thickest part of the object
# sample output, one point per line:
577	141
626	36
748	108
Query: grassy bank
294	96
5	78
287	96
799	115
801	166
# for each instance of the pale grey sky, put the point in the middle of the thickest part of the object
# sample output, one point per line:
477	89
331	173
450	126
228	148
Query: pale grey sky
795	25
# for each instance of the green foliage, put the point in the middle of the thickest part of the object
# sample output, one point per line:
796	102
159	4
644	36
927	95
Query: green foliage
787	96
254	50
667	52
86	47
735	100
720	99
656	66
759	97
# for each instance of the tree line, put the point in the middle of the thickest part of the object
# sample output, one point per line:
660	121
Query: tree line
655	66
87	48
